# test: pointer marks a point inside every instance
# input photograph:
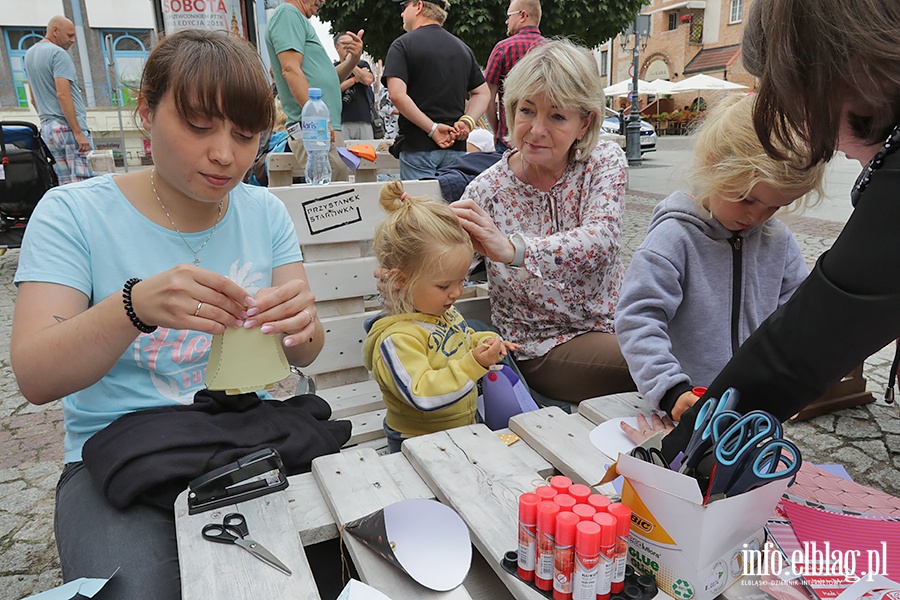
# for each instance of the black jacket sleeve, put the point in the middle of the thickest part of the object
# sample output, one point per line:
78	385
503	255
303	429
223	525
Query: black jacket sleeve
846	310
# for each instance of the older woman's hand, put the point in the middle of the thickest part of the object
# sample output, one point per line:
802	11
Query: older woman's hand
486	238
645	430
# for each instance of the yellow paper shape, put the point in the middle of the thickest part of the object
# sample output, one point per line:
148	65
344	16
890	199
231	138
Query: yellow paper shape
245	360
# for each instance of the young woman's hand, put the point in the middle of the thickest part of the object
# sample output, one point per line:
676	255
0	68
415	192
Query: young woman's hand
188	297
287	309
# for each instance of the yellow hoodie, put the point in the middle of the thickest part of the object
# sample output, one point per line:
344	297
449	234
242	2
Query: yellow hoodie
425	369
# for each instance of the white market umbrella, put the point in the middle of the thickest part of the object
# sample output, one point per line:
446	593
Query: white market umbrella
704	82
623	87
661	86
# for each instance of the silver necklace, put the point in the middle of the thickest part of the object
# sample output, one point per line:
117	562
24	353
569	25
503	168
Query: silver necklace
196	252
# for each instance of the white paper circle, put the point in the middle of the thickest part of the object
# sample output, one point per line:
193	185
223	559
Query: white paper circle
430	541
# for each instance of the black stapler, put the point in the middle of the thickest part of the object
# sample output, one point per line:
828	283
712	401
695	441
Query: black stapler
250	477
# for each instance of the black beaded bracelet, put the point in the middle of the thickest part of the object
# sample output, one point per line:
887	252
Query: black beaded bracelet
129	309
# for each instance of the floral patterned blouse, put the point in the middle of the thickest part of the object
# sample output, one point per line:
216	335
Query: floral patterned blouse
569	283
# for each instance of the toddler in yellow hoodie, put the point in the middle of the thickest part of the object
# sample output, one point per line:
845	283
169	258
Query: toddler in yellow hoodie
423	355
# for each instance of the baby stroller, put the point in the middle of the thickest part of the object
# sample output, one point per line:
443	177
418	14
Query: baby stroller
26	173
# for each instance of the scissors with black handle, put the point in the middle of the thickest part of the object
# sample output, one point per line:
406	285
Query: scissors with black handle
650	455
233	530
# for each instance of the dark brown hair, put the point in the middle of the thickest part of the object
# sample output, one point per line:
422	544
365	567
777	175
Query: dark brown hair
812	55
211	74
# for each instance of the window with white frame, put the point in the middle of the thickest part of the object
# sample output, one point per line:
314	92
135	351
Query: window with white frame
737	11
18	41
129	52
673	21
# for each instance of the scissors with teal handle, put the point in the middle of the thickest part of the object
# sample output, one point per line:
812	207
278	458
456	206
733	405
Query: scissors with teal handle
700	440
233	530
748	455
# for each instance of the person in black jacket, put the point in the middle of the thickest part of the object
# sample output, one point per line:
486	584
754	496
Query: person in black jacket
829	72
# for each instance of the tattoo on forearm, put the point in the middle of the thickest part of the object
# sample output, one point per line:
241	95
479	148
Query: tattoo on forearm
59	319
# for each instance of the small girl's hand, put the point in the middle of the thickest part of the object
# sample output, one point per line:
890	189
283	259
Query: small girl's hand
489	352
684	402
507	346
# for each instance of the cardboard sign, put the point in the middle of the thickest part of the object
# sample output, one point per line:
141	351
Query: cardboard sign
332	211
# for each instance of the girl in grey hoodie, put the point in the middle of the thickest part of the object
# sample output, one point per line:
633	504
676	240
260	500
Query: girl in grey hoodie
713	265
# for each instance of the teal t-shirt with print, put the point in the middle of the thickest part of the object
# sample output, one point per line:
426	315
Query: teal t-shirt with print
89	237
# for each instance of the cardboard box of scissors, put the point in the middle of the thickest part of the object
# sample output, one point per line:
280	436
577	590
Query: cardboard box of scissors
695	552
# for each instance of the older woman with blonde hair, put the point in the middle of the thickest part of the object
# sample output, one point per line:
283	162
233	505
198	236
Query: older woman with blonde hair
548	219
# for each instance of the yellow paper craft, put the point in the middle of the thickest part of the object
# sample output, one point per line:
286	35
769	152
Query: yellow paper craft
245	360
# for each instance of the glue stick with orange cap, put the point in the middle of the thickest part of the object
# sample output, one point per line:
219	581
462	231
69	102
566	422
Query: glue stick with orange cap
622	513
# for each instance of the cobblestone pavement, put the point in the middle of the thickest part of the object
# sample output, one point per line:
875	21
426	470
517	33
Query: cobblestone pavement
31	437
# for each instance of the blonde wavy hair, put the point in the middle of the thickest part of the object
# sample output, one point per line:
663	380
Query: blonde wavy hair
413	238
729	160
567	75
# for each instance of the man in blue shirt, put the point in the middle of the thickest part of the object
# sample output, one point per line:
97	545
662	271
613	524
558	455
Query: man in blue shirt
57	99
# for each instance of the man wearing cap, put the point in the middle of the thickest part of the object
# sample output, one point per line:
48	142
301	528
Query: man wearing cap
522	20
299	62
428	72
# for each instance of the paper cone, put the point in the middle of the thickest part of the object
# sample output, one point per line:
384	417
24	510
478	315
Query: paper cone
423	538
245	360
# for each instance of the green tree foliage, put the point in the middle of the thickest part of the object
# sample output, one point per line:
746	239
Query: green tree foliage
481	23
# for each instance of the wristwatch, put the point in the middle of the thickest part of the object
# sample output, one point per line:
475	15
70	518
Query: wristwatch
518	243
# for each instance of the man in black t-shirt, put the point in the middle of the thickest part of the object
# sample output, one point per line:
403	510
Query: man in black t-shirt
356	95
428	72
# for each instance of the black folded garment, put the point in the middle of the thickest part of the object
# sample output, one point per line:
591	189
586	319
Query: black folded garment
149	456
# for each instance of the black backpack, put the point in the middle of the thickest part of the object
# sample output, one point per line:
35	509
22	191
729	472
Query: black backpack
27	172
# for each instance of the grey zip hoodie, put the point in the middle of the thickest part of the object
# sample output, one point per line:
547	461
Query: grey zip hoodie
694	291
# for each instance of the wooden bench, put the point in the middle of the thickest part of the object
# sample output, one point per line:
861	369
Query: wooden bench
283	166
335	225
468	468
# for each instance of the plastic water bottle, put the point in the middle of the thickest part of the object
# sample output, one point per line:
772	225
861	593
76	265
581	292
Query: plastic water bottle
316	122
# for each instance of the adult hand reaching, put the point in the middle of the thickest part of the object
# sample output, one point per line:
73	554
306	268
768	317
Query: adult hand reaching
486	238
647	429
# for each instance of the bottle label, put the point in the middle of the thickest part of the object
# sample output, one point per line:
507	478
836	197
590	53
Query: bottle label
316	130
604	577
562	569
584	578
527	547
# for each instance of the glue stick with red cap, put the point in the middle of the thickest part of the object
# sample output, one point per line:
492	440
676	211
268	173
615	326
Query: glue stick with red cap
698	391
528	503
623	524
546	529
545	492
564	555
560	483
607	524
585	512
598	501
565	501
587	560
580	492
